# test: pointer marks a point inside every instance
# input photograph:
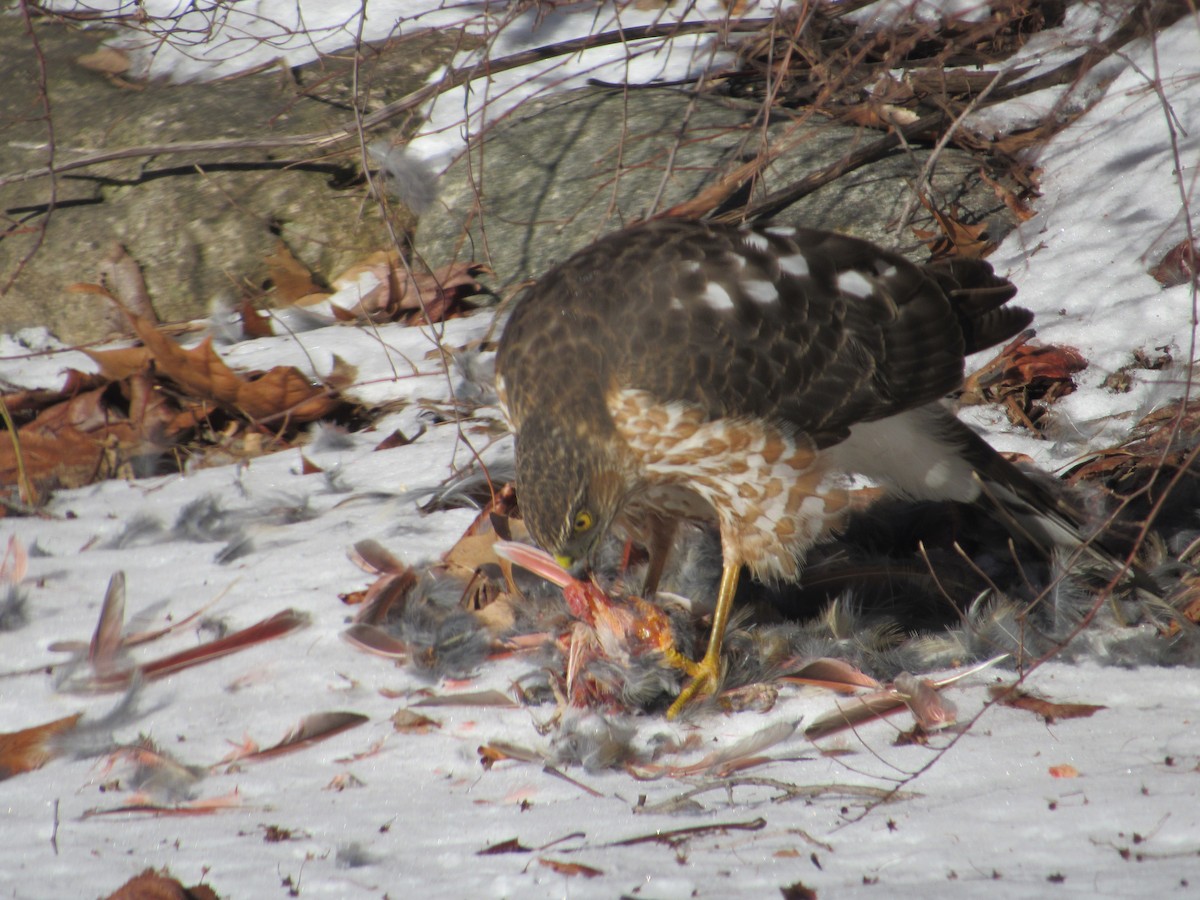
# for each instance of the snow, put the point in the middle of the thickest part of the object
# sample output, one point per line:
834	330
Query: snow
981	813
1113	204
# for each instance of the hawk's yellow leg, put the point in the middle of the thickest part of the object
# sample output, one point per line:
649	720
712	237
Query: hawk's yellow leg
706	674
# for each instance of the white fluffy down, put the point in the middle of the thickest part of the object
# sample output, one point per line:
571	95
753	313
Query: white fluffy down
910	453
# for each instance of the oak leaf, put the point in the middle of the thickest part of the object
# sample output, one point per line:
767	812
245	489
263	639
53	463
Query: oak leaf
954	238
293	281
31	748
280	392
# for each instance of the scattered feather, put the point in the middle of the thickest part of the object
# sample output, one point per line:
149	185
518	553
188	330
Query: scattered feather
354	856
494	699
594	742
408	178
310	730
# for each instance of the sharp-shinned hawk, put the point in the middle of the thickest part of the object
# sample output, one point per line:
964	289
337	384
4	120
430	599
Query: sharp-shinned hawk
680	370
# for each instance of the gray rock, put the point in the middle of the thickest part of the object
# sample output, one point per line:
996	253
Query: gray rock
199	224
561	172
552	177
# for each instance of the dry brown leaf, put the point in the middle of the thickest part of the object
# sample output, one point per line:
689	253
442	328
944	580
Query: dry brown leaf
1017	141
83	412
1017	206
195	413
282	392
499	615
798	890
409	722
341	375
436	296
151	885
88	435
76	382
291	278
255	324
120	363
954	238
31	748
395	439
571	869
122	276
57	451
512	845
106	60
1047	709
1180	265
880	116
153	416
199	371
1027	371
396	291
473	551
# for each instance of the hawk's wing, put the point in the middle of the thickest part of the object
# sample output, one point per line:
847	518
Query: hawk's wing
817	329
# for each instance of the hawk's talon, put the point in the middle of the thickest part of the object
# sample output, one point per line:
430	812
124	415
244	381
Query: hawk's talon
706	678
677	660
709	672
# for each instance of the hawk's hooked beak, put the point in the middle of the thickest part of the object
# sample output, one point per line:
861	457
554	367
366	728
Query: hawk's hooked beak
576	568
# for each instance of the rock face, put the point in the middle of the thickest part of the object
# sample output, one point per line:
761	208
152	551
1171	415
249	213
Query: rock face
547	180
199	224
567	170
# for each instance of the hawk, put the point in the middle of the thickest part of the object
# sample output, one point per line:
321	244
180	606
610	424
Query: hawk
688	371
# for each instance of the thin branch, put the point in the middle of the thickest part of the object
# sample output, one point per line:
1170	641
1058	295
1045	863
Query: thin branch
922	187
776	202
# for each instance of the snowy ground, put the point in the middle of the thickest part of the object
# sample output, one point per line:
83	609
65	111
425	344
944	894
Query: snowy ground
1106	806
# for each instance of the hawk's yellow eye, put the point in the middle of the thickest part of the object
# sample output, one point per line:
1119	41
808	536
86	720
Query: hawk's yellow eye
583	521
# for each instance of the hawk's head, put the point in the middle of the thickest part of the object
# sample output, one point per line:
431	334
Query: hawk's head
570	485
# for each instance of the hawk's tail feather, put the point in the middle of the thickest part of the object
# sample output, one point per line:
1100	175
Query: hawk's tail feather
994	327
928	454
978	296
973	282
1045	517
